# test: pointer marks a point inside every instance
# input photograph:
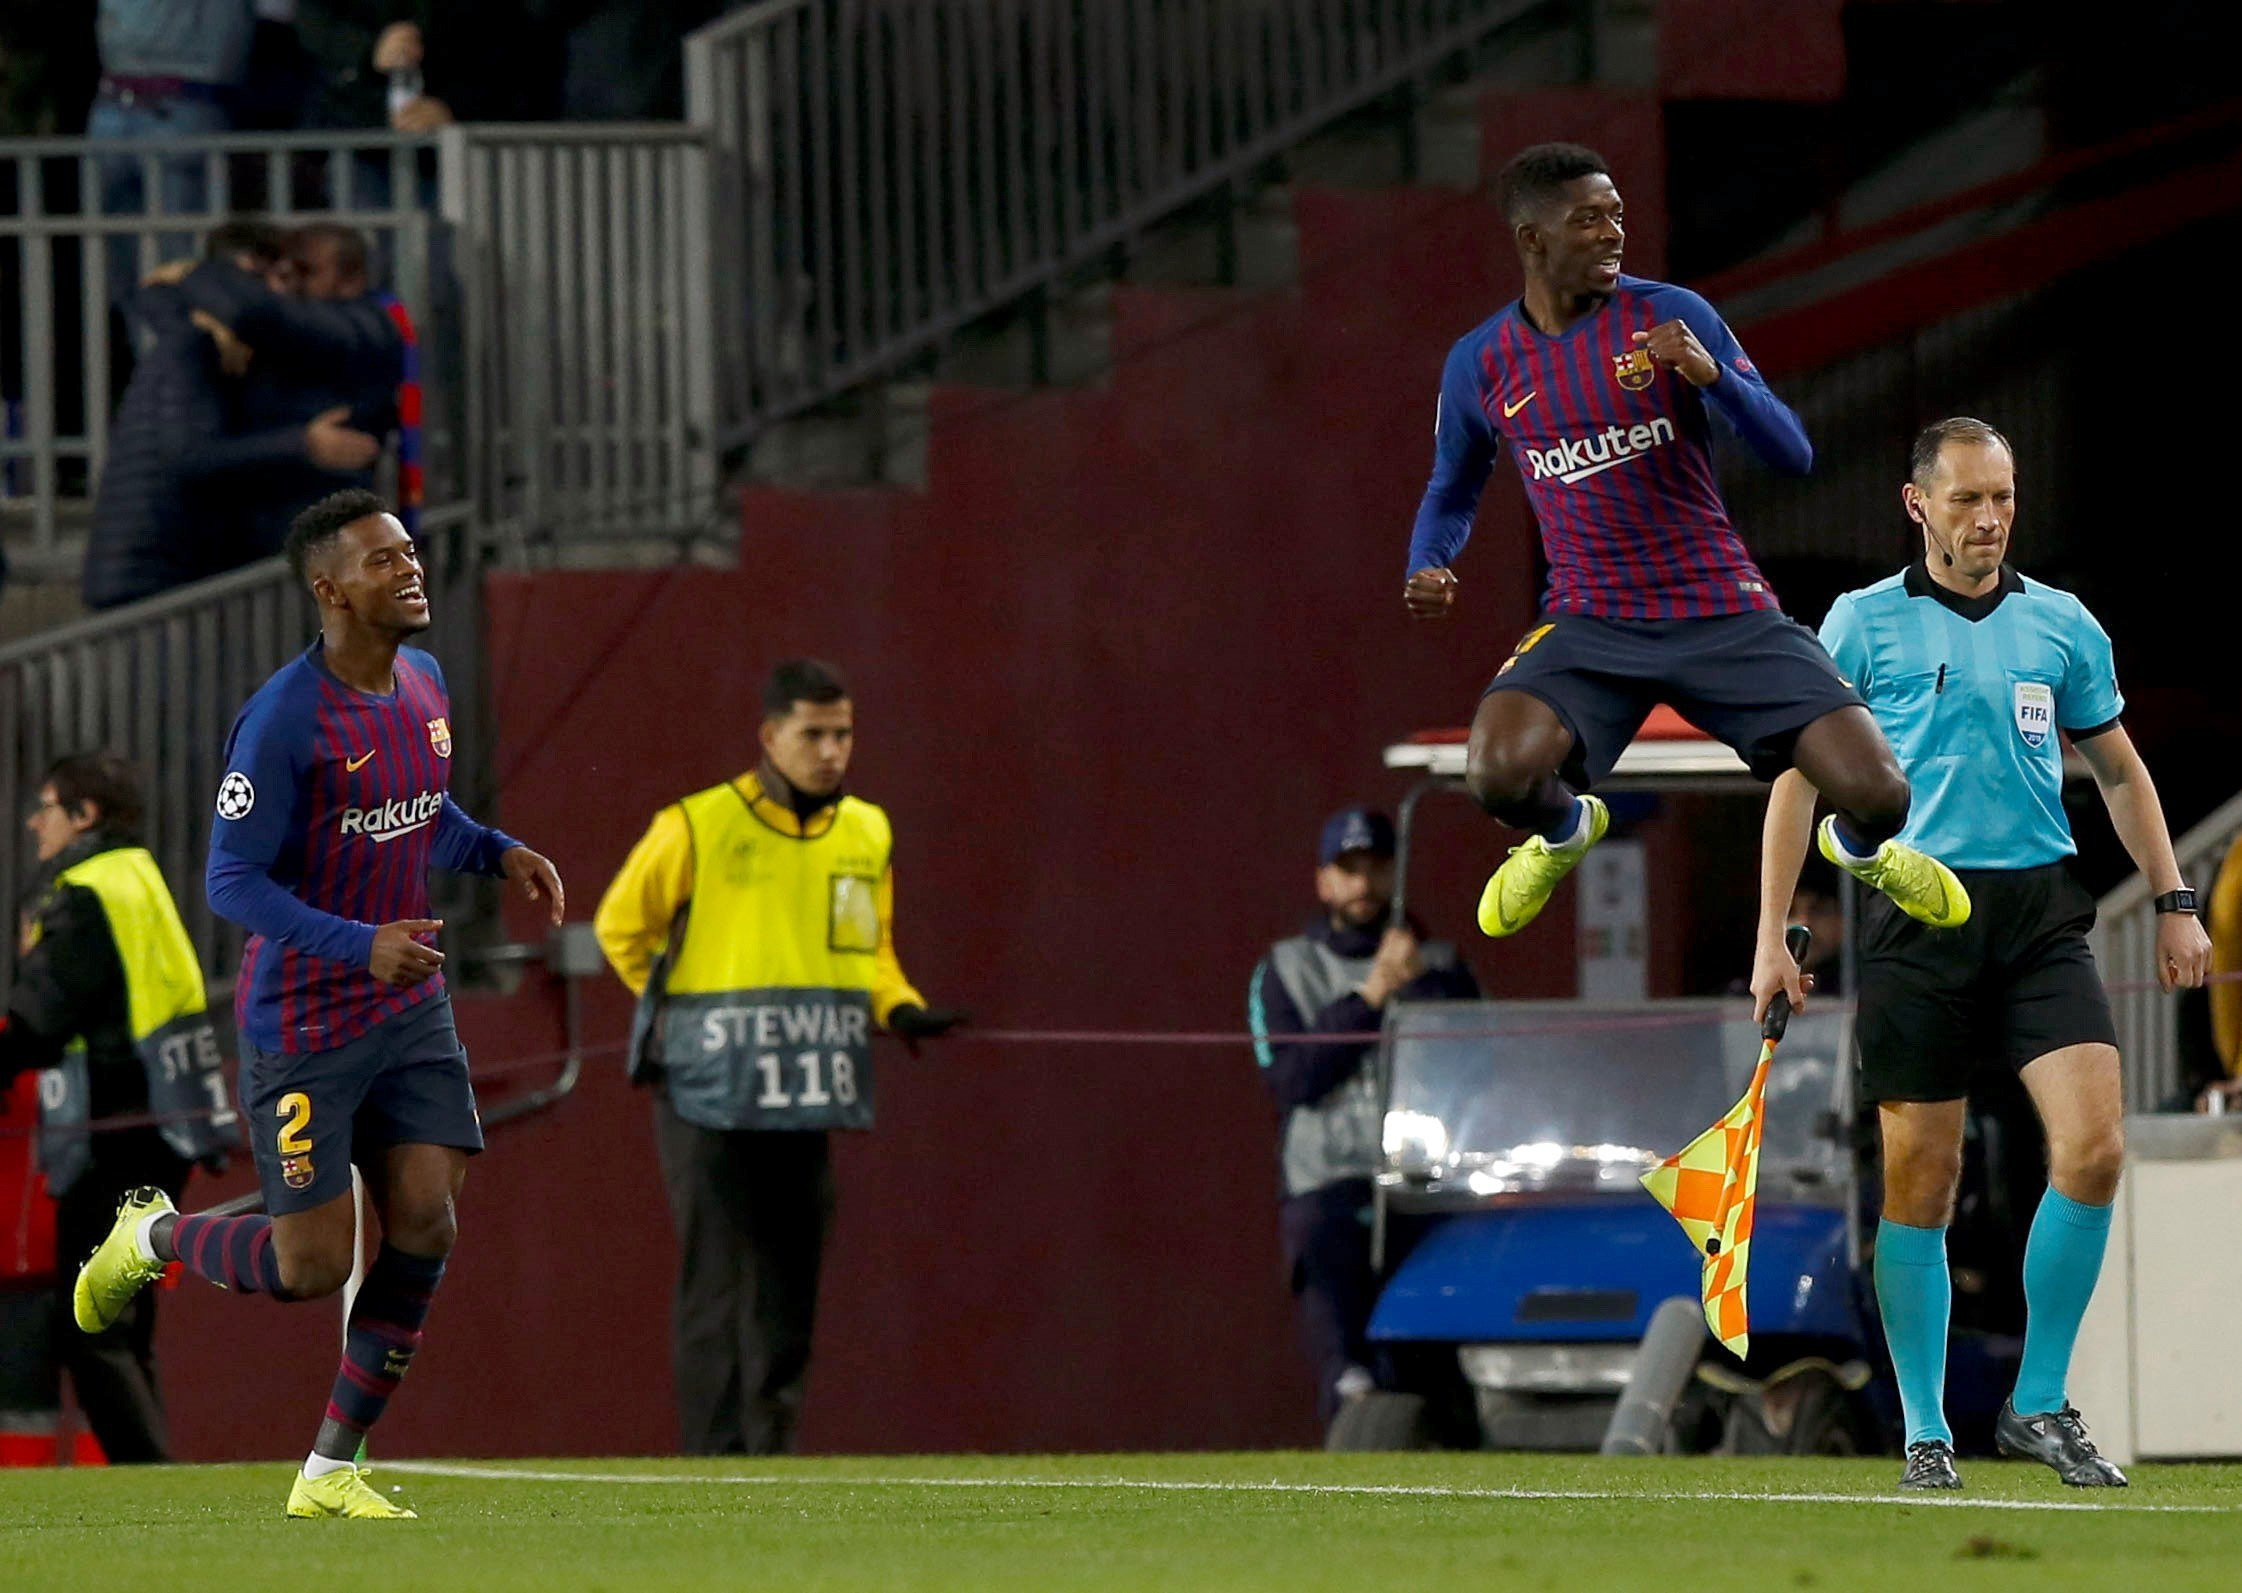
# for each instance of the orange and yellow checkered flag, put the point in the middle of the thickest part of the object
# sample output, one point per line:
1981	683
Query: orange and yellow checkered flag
1710	1185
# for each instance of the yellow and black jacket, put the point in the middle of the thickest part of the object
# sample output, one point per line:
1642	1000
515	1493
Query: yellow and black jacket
110	997
762	950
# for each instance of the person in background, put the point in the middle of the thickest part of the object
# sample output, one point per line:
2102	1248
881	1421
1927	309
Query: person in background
169	69
417	67
321	389
755	921
109	994
155	518
1335	978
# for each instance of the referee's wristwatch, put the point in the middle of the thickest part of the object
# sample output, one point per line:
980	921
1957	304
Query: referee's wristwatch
2179	901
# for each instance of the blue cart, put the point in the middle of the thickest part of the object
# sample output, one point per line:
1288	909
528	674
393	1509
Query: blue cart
1524	1266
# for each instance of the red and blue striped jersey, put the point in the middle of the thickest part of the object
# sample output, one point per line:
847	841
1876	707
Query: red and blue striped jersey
1615	453
334	803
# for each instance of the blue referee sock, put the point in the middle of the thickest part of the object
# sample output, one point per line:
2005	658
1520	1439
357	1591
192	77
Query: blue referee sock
1915	1297
2062	1261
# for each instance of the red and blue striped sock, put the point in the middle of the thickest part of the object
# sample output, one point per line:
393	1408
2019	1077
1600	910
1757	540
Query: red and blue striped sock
233	1252
385	1323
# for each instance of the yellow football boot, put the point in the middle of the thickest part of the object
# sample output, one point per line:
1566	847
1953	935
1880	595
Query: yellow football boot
1919	884
343	1495
1521	887
116	1271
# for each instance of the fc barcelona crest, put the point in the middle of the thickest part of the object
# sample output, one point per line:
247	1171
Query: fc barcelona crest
1633	370
295	1171
440	737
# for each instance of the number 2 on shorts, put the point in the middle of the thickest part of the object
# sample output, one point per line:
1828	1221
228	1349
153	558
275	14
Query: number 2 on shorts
295	1106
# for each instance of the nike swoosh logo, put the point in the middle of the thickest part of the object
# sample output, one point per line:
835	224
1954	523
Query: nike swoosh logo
1509	410
355	764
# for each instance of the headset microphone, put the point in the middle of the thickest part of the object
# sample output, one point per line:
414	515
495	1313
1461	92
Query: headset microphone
1944	551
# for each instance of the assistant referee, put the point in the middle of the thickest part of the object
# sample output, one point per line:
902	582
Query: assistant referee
1971	670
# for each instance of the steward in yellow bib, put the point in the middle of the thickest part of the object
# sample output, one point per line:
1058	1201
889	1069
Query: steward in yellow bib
754	920
108	1000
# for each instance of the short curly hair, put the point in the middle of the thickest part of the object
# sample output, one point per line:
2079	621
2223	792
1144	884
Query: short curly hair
317	527
1536	173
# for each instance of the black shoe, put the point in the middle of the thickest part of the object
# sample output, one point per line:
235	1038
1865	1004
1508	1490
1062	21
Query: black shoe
2055	1438
1930	1464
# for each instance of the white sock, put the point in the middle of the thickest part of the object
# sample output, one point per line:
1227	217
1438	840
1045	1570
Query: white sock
1578	840
140	1240
317	1465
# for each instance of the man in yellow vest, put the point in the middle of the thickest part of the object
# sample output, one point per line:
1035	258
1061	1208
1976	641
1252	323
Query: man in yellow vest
109	999
755	922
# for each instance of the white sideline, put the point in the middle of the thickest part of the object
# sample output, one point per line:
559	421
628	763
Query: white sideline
441	1468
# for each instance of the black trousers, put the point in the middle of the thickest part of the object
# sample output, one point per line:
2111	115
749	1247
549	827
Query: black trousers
113	1373
751	1211
1327	1245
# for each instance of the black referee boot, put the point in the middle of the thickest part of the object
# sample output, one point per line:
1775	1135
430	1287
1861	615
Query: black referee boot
2057	1439
1930	1464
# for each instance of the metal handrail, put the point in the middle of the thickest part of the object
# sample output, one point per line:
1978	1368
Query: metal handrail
2124	940
900	168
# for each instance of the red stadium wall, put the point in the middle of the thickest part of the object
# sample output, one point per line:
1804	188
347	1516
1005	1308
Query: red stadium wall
1113	667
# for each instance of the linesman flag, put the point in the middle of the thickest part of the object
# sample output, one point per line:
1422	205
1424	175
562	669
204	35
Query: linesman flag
1710	1184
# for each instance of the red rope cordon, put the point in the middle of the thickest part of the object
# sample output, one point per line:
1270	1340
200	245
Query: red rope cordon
546	1061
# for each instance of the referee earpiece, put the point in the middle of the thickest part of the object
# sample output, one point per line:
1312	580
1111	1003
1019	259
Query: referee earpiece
1944	552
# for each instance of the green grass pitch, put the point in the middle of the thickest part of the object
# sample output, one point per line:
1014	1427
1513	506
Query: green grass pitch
1278	1521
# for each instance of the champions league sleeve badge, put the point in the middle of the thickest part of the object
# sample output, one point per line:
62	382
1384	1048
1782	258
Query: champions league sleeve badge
236	796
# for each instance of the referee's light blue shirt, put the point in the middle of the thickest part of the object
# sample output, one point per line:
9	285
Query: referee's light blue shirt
1970	692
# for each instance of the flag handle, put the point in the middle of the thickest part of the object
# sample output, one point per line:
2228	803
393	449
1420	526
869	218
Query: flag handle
1796	940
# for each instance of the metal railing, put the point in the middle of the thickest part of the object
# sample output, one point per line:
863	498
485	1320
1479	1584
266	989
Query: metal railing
605	309
2148	1021
83	220
1862	412
562	280
905	166
160	683
588	267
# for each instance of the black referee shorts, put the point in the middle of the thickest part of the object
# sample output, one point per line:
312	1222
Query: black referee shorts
2015	982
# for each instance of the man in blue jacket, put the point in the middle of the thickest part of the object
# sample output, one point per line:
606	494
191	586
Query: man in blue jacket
329	356
1335	979
184	466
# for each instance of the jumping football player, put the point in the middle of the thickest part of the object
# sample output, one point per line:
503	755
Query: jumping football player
1603	385
335	800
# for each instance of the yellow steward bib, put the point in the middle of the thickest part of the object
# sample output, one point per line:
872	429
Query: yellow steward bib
758	1015
166	1011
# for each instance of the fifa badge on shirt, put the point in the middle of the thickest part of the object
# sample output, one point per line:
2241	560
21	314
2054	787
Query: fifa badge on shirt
2035	711
440	736
1633	370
